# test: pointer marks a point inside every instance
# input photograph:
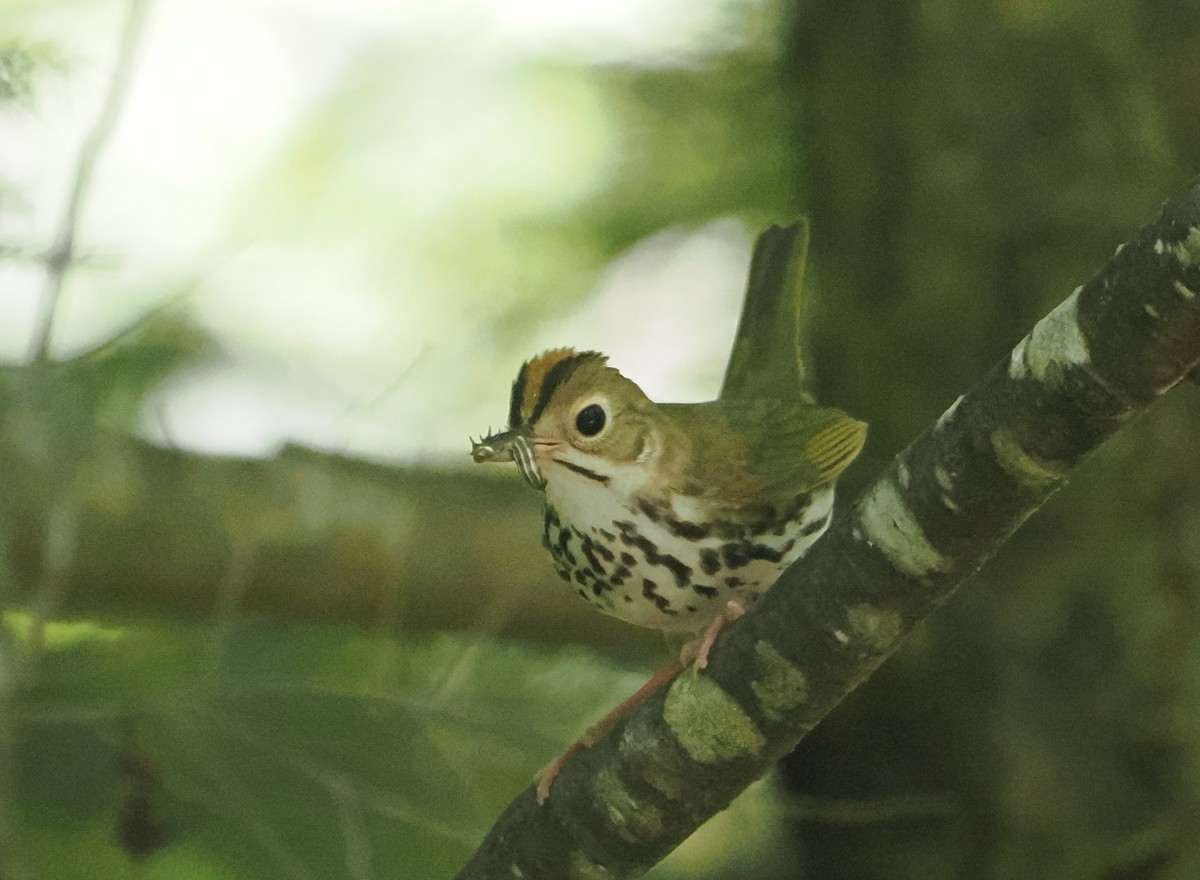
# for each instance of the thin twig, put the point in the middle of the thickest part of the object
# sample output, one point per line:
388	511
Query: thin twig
62	254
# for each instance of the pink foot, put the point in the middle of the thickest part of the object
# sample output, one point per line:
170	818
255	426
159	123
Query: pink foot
545	776
696	651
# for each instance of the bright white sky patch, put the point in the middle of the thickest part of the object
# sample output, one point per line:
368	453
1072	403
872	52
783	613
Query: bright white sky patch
214	82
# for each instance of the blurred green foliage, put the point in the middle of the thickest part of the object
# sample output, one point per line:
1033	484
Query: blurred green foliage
265	751
21	63
254	750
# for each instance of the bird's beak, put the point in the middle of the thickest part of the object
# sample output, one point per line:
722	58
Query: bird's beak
515	445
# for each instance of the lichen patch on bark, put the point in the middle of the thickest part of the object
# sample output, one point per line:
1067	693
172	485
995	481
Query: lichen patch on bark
583	868
889	525
1025	468
633	820
873	630
708	723
1187	251
1056	342
779	686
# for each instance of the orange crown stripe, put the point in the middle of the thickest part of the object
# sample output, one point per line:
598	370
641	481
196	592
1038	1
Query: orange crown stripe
535	375
540	377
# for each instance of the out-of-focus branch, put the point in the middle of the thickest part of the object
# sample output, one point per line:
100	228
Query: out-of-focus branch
62	252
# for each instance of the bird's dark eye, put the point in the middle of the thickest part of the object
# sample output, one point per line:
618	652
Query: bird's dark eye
590	420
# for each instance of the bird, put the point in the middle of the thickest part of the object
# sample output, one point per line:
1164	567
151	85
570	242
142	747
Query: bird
671	516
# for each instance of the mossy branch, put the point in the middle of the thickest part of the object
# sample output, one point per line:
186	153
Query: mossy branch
938	512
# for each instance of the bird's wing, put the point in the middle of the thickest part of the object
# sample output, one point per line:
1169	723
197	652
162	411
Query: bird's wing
765	450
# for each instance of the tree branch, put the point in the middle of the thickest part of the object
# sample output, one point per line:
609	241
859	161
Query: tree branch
940	510
62	253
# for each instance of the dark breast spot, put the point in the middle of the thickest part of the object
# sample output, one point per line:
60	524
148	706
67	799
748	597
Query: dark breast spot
728	531
797	508
683	573
815	526
649	591
735	554
689	531
588	548
762	551
632	538
652	511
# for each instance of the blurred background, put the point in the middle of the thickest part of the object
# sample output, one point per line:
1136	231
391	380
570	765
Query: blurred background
264	266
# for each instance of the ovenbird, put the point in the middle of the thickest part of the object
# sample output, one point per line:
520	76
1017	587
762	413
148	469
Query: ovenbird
678	516
662	514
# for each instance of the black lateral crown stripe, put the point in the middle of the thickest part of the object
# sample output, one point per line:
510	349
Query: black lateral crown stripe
518	394
555	378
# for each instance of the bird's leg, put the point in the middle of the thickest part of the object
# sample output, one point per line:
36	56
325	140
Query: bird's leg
694	652
545	777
